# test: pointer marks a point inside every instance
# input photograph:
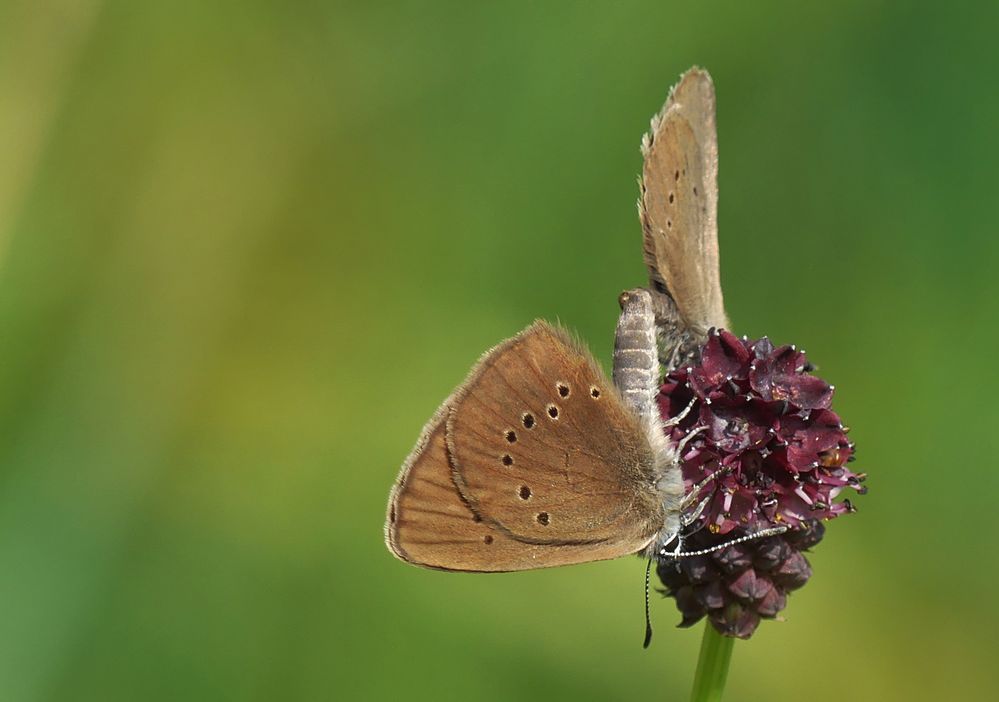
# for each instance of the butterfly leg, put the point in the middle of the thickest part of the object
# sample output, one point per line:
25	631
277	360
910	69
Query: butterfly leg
691	496
673	421
665	552
674	357
686	440
688	518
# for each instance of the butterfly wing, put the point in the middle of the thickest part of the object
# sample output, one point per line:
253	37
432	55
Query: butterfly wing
679	203
542	447
429	523
432	522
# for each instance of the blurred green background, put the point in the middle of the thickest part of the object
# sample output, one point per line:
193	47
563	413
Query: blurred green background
247	247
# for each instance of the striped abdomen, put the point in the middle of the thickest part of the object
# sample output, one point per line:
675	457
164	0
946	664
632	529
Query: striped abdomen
636	355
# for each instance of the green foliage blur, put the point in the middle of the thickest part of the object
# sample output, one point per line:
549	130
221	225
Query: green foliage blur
246	248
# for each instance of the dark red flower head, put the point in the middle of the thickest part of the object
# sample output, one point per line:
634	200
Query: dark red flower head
758	412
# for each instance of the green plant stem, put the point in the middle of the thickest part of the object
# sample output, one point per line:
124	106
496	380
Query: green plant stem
712	666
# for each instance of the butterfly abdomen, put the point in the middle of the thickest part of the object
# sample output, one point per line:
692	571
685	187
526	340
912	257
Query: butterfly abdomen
636	371
636	376
636	354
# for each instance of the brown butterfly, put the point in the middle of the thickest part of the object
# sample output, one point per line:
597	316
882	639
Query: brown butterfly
537	459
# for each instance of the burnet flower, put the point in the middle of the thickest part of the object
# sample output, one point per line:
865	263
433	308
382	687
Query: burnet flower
762	423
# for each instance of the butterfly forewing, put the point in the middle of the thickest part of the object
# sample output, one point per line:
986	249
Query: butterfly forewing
679	202
542	446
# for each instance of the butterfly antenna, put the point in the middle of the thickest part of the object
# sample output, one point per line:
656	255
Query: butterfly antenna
717	547
648	622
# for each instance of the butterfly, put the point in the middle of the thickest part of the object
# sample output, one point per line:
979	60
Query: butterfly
538	459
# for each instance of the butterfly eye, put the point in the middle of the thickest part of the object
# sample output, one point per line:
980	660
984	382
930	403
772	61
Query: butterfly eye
524	492
487	539
671	198
528	420
563	389
507	460
553	411
594	392
511	435
543	519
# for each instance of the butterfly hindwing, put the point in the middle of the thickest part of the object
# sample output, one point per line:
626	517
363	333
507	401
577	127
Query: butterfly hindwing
679	203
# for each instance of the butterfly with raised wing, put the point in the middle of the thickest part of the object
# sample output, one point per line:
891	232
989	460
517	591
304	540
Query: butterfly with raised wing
538	459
